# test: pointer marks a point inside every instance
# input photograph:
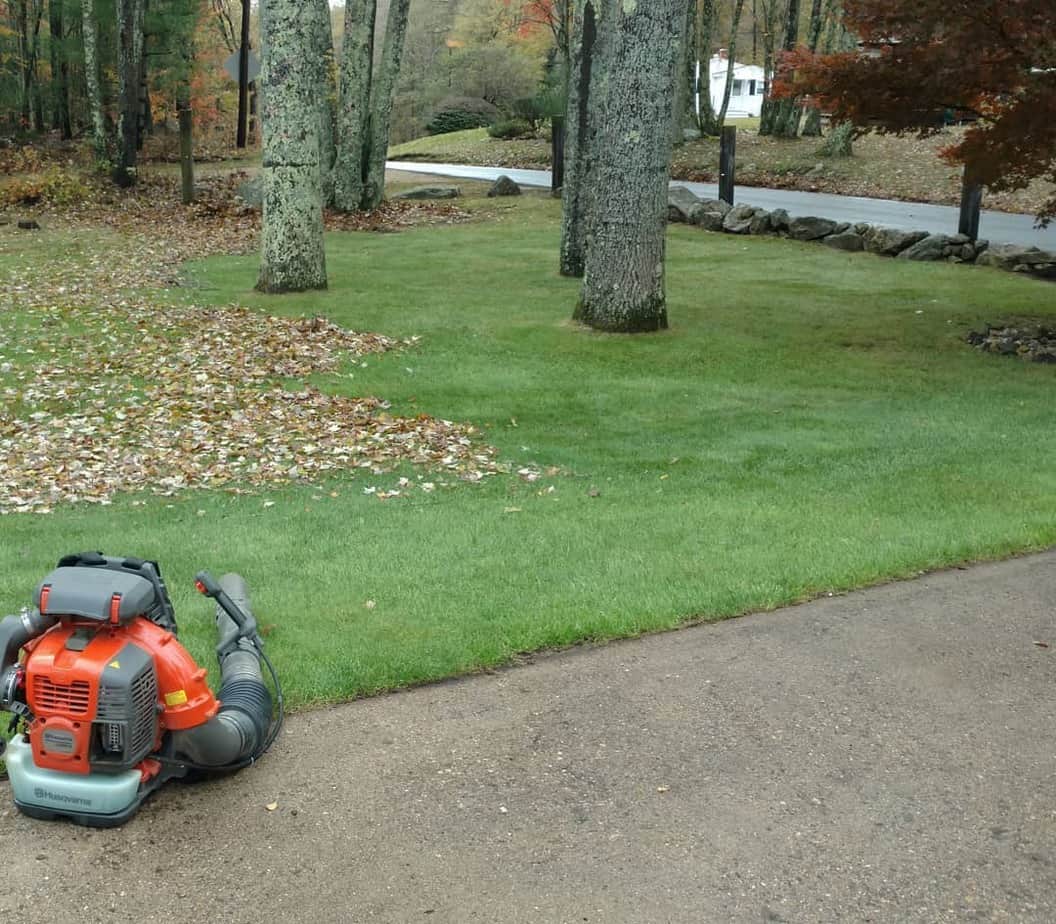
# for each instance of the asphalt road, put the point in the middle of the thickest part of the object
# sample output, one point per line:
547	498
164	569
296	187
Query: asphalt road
884	756
998	227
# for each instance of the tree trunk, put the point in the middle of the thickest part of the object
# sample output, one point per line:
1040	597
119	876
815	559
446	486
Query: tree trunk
576	191
129	21
185	119
832	24
353	116
292	256
145	117
38	90
704	28
770	105
683	100
323	57
60	72
383	88
841	136
812	123
563	34
20	11
731	60
28	14
91	75
623	282
788	111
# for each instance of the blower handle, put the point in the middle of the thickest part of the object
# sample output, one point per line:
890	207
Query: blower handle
208	586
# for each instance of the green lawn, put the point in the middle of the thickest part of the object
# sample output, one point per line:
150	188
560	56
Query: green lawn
812	422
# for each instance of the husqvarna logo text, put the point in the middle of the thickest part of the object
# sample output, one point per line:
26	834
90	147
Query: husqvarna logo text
60	797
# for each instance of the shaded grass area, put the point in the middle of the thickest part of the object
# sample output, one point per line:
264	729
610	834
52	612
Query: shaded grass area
812	422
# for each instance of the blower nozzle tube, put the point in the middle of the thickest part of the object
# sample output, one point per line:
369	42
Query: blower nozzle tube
238	732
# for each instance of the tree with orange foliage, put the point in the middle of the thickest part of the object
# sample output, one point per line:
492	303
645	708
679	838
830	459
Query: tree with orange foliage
989	61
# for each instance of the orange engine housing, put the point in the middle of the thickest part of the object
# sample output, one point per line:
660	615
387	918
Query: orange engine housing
103	695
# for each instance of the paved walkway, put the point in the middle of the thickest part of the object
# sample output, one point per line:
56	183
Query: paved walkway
888	756
998	227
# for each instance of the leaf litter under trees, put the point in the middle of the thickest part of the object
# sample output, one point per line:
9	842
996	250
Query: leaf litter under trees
103	390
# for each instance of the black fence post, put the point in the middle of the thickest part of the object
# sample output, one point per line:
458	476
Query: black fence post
971	204
727	163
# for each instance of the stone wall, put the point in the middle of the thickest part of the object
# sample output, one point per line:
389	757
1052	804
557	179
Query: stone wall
716	215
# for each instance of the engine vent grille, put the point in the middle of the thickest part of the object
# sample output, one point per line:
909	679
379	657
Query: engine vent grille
68	699
126	718
144	709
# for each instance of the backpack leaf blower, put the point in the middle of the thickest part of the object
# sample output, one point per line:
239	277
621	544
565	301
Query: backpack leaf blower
112	705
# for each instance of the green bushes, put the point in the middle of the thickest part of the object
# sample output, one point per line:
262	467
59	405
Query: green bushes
510	128
456	114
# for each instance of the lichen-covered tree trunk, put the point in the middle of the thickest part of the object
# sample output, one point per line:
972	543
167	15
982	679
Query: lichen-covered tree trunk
637	66
840	142
323	57
90	34
812	122
353	114
771	17
575	191
292	258
704	28
787	110
129	20
731	59
383	88
365	107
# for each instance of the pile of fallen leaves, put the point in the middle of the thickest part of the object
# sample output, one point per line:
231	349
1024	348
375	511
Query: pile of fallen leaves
103	391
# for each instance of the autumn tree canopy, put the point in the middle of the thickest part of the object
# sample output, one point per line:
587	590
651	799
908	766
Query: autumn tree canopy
990	60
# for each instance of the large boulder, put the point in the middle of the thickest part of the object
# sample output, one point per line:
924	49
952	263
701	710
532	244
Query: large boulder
738	220
845	240
430	192
930	248
1019	259
716	205
682	204
708	220
890	242
779	221
809	228
504	186
711	214
761	223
